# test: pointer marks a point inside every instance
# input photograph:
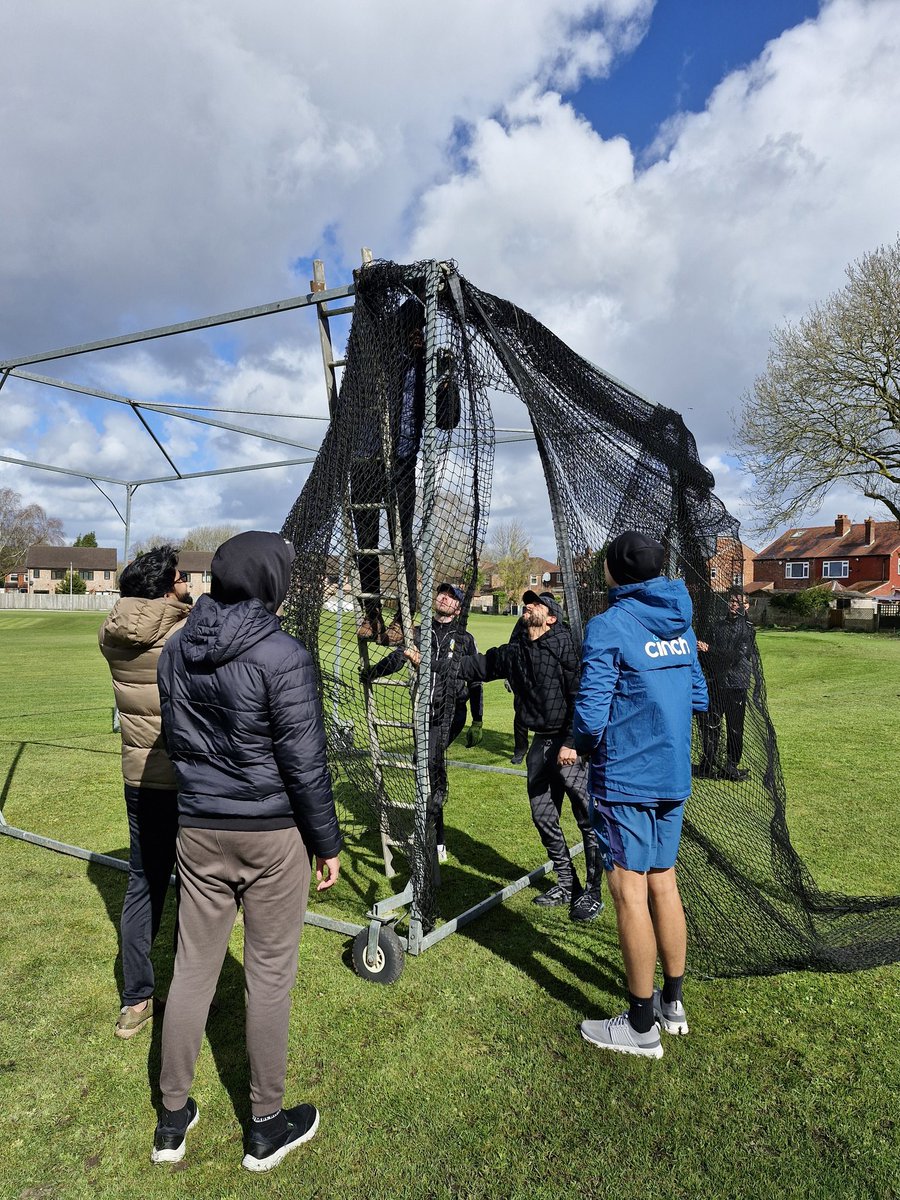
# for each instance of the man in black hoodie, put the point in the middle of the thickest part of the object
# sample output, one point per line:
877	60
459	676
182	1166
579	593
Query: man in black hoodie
727	661
541	665
244	731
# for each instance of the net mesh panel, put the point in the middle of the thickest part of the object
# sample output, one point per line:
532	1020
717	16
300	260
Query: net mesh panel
613	461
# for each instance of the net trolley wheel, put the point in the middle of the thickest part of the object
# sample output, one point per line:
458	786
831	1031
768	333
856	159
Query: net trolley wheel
389	956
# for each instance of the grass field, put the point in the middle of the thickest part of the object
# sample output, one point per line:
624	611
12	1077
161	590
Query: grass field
467	1077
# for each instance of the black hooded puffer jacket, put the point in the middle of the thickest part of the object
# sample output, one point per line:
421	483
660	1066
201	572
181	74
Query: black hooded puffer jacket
240	708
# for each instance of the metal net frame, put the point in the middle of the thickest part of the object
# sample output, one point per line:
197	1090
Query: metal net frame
397	502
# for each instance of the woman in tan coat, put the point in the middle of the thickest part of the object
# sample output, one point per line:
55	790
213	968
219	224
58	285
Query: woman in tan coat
154	603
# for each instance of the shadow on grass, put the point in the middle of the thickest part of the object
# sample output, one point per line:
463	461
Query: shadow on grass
554	960
225	1024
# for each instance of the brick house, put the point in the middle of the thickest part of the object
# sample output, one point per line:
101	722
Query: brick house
16	580
863	558
46	566
732	565
196	566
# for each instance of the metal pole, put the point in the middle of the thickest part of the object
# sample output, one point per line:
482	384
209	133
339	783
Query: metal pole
130	489
422	714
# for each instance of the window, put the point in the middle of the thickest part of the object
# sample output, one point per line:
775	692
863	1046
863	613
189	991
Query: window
737	579
796	570
14	578
36	573
186	576
713	572
835	569
207	576
533	580
87	576
107	574
57	573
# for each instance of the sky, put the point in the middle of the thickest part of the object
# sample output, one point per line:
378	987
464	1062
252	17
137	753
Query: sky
661	184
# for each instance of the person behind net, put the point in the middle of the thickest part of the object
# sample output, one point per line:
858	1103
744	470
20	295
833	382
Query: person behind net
541	665
244	729
727	659
520	731
640	681
154	602
450	697
372	483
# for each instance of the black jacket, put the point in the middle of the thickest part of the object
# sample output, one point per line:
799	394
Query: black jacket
243	725
729	657
544	676
449	644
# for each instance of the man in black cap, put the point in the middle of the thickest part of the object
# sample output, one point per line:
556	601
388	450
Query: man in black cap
450	695
541	665
244	731
640	682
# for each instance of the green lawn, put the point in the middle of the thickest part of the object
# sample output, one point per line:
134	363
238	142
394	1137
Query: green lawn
467	1077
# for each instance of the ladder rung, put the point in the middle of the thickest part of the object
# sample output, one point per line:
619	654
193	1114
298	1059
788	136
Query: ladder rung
377	596
393	762
339	362
369	506
337	312
389	683
379	550
392	724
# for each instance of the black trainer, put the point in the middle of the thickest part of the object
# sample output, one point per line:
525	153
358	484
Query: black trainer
265	1153
554	897
170	1138
587	906
518	757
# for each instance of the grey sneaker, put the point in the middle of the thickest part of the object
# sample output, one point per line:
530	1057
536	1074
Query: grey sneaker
670	1016
619	1035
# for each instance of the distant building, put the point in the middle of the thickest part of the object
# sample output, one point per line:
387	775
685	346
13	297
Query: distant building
196	566
16	580
47	566
732	565
862	558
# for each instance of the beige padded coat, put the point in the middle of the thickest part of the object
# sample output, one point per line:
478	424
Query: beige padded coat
131	638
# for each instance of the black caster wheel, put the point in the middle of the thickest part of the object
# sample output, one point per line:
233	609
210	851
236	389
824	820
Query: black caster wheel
389	956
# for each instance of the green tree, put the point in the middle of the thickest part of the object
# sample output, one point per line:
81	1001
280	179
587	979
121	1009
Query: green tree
826	410
74	586
21	527
86	539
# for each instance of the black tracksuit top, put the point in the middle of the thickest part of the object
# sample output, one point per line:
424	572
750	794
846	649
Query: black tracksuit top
449	646
544	675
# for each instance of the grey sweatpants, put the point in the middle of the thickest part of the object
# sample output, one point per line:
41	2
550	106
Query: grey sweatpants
267	873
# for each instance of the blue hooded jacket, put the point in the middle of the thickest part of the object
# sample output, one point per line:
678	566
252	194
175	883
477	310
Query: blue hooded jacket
640	682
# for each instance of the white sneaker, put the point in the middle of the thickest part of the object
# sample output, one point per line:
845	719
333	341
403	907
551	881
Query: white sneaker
441	852
670	1016
619	1035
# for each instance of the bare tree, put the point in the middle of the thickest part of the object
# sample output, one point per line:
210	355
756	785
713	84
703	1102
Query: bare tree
207	537
21	527
509	550
827	408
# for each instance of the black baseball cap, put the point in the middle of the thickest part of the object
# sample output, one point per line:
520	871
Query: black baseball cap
547	599
633	557
457	593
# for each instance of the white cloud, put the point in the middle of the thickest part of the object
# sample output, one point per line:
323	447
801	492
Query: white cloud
672	276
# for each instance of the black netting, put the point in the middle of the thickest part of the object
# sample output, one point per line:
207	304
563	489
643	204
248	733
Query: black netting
405	471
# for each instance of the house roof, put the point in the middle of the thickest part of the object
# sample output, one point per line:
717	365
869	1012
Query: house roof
81	558
195	560
759	585
821	541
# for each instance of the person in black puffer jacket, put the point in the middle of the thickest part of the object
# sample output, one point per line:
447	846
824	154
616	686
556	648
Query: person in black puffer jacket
727	661
541	665
244	731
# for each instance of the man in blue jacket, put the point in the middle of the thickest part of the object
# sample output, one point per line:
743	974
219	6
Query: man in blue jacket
244	732
640	682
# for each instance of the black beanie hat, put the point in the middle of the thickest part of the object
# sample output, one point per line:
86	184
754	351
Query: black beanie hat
252	566
633	557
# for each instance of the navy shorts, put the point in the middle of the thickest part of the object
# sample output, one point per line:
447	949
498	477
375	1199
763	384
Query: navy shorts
638	837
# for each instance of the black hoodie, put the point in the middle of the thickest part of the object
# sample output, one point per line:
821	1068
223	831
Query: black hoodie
241	713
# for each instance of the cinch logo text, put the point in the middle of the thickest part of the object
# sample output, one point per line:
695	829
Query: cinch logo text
662	649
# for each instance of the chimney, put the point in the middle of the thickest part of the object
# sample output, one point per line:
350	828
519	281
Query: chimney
870	531
842	525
